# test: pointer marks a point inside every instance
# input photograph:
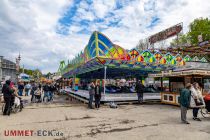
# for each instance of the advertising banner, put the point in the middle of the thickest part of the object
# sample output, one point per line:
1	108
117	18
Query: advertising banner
174	30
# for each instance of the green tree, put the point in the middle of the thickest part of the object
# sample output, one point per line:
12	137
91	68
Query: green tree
37	74
200	26
183	40
48	74
27	71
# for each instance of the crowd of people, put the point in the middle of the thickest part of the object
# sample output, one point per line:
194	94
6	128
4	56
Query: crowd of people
38	91
191	97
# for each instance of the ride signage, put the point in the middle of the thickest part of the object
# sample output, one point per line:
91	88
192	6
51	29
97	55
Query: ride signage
174	30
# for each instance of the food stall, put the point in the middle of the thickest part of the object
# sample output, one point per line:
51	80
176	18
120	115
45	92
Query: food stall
179	77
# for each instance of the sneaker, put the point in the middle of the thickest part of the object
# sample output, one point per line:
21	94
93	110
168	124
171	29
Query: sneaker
187	122
194	118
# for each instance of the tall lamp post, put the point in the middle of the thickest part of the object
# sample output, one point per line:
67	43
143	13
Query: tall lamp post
18	65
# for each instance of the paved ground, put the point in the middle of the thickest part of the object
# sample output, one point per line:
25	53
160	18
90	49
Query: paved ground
133	122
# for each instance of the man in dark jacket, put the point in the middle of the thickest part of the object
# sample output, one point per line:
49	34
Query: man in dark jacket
97	94
51	91
20	89
91	89
33	89
184	101
8	93
46	90
140	91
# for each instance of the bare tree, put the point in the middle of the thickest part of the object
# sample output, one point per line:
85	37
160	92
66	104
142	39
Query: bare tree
143	44
162	44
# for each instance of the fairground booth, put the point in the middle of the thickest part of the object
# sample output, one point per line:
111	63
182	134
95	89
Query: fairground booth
104	60
196	69
192	72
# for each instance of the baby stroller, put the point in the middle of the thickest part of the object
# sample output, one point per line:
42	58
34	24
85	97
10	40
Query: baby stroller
16	105
205	112
38	94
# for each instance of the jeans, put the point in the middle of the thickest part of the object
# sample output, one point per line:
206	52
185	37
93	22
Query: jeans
20	92
90	101
46	95
183	114
195	112
26	92
140	97
50	95
8	101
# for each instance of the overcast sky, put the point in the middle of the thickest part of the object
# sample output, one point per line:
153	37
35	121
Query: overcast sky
48	31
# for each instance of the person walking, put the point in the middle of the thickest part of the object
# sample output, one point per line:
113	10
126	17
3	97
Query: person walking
140	91
33	89
91	94
51	91
8	93
184	101
46	90
20	89
197	100
27	89
97	94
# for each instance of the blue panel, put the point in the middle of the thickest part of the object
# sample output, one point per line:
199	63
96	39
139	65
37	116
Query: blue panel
105	40
92	49
92	38
102	48
93	55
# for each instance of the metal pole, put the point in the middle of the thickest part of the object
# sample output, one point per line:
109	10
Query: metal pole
104	79
161	83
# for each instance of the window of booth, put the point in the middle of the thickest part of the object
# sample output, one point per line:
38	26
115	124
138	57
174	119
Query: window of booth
176	84
206	86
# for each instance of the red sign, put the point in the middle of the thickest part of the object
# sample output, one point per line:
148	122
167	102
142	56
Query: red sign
165	34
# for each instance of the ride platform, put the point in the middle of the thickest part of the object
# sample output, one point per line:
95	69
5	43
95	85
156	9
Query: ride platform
115	97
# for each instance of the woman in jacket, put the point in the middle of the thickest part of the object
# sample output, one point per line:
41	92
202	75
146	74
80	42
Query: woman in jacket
197	100
91	94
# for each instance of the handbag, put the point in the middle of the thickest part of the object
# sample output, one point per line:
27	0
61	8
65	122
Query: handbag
198	102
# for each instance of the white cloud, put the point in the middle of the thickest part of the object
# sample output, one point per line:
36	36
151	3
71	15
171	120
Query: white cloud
30	26
135	19
102	7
